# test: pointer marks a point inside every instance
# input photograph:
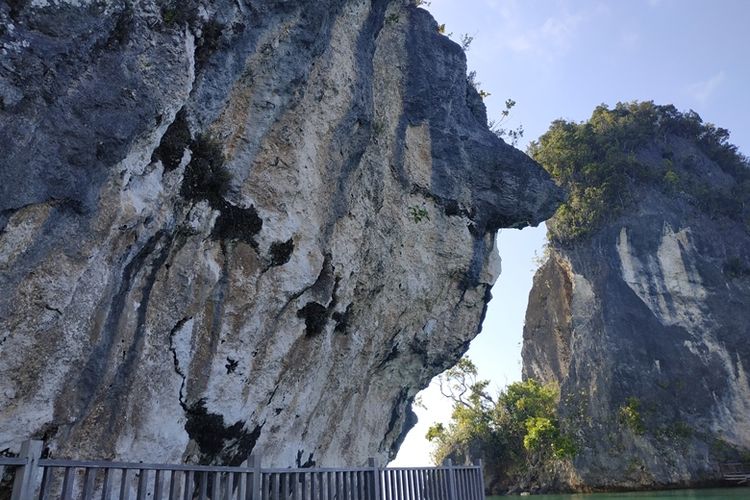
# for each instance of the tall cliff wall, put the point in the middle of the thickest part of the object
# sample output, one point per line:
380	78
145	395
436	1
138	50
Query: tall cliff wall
642	319
240	225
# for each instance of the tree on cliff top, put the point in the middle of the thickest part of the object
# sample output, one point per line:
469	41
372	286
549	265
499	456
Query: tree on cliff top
600	163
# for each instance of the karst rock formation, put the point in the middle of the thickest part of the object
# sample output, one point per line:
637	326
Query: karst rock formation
644	321
240	226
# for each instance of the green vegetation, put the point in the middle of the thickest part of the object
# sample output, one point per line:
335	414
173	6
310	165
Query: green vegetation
495	126
630	416
516	433
602	162
418	214
378	128
175	13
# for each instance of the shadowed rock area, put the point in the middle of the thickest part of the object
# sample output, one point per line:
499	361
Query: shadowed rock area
240	226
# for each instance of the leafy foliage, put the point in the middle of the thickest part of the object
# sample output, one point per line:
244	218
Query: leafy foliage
596	161
512	135
418	214
630	416
515	433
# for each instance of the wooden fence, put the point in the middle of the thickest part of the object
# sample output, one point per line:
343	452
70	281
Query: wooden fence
35	478
736	472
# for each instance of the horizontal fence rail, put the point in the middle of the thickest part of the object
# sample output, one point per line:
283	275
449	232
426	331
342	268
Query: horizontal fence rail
736	471
35	478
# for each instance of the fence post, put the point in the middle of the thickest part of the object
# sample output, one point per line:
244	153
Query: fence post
25	479
481	476
256	482
375	478
448	464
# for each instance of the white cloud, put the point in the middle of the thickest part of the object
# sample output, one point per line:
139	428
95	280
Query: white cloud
553	37
703	90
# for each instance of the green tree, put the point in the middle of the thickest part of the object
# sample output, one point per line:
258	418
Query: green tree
600	164
515	433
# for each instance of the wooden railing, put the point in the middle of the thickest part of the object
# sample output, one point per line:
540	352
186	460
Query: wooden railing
35	478
736	471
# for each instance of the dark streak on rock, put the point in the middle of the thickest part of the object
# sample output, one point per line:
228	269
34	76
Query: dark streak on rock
173	143
308	463
206	178
209	42
178	370
273	393
231	365
389	357
450	207
342	320
93	370
237	223
402	400
281	252
50	308
219	443
126	371
354	131
316	317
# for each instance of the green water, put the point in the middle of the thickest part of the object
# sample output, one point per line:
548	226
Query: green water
707	494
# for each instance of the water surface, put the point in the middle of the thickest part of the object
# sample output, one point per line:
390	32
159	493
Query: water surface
704	494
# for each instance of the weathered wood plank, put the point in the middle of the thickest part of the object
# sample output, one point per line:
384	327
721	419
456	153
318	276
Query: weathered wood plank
174	485
88	484
189	487
158	484
125	485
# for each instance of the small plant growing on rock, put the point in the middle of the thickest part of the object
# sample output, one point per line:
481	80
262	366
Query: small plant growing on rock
418	214
511	135
175	13
466	40
672	179
392	19
378	128
630	416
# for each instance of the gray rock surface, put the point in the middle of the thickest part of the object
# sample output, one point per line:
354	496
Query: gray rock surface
644	326
240	226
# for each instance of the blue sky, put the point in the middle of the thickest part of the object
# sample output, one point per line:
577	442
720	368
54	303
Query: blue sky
560	59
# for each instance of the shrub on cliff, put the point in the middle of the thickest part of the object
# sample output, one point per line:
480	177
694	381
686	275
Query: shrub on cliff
516	433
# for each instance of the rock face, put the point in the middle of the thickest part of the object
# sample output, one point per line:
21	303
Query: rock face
240	225
644	326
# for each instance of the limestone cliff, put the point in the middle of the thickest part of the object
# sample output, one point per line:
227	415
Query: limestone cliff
641	318
240	225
